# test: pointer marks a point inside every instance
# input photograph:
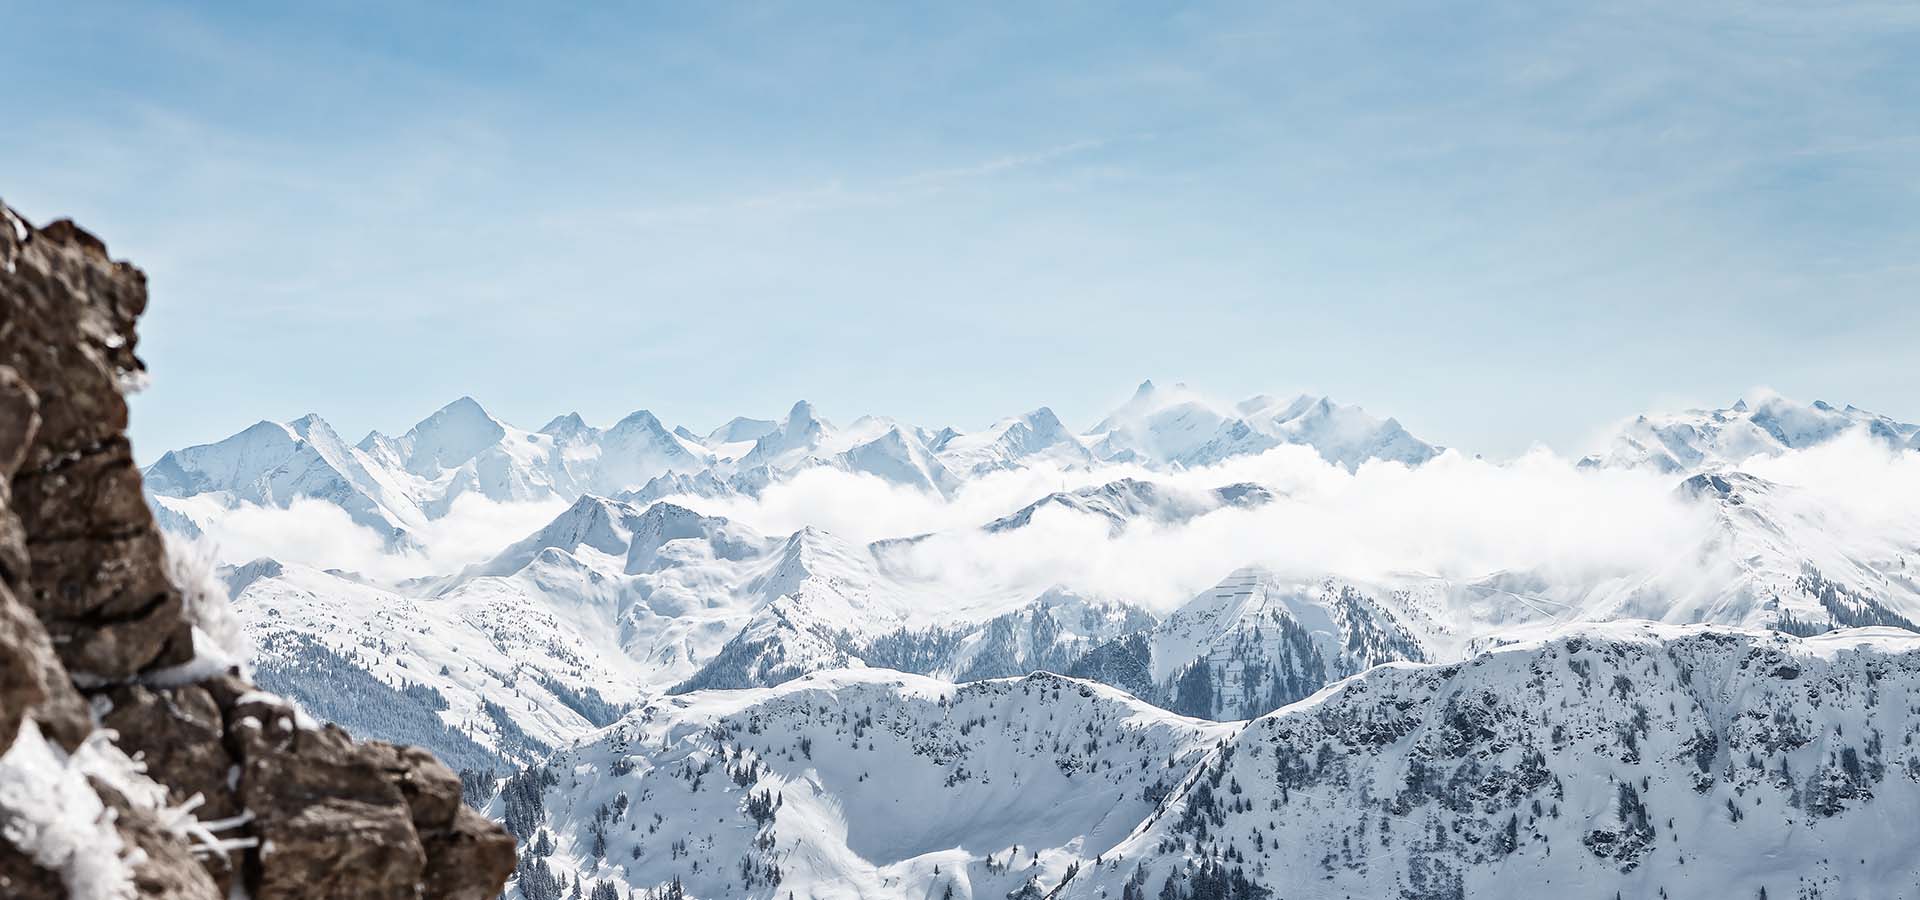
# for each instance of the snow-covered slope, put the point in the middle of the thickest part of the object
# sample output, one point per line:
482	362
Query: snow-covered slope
1633	758
1403	723
1638	760
1768	556
1038	436
857	783
898	455
1047	634
1177	426
806	599
732	440
1253	643
637	449
669	599
1771	556
484	681
661	597
1713	439
274	464
1341	434
392	485
461	450
1129	500
790	440
396	486
607	603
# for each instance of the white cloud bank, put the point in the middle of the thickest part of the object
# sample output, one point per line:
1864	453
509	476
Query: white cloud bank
317	533
1455	517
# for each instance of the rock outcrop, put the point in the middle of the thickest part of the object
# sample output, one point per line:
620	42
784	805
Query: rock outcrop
136	761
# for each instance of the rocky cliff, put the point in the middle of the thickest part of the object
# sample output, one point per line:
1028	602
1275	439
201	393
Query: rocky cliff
138	760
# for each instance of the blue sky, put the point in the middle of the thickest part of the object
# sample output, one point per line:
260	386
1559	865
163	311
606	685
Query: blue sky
1501	224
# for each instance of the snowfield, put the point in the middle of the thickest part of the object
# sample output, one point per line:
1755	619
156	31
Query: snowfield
1277	648
870	783
1633	757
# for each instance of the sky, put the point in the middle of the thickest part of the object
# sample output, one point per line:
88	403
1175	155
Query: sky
1503	224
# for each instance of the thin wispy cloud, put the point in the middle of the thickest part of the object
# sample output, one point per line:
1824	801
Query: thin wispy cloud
832	195
839	181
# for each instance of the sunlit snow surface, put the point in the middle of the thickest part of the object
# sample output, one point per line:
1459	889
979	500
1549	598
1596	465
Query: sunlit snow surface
637	610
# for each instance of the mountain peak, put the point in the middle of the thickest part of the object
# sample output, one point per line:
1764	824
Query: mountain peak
1042	415
1046	425
307	422
641	418
1764	423
564	426
740	428
801	414
463	412
464	407
315	430
1256	403
265	428
454	434
588	504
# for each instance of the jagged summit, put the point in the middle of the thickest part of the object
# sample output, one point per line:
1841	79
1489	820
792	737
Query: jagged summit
449	438
1714	439
1727	487
565	426
640	419
1123	502
808	634
740	428
1178	426
395	485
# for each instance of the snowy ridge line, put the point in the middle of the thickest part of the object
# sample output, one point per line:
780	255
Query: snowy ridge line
611	603
794	799
398	486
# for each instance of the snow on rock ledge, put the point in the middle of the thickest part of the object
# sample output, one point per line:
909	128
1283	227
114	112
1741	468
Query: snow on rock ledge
235	793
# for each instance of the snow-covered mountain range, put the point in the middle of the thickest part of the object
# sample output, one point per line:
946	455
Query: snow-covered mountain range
1639	759
396	485
1708	439
659	693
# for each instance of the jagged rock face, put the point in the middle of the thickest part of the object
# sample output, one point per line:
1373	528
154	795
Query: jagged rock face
88	614
95	576
30	680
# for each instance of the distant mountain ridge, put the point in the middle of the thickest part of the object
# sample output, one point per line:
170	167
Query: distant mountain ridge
395	485
673	704
1637	759
1697	440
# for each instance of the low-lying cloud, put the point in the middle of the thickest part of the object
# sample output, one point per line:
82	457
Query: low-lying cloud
1455	517
317	533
